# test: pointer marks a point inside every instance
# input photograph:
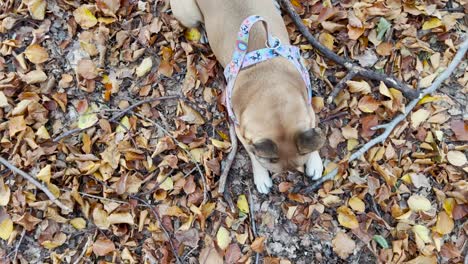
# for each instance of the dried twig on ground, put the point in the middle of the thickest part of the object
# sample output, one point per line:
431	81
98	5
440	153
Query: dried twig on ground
230	158
252	221
388	128
83	251
18	245
34	182
115	117
158	218
354	69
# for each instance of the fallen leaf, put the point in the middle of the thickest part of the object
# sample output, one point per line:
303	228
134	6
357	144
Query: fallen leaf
209	255
433	22
359	87
347	218
327	40
101	218
418	117
368	104
233	254
103	246
84	17
456	158
4	193
223	238
87	69
190	115
381	241
78	223
444	224
3	100
108	7
36	54
45	174
192	34
144	67
243	205
343	245
6	228
37	9
121	218
258	245
460	128
357	204
419	203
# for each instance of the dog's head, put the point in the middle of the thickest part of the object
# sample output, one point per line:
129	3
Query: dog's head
287	152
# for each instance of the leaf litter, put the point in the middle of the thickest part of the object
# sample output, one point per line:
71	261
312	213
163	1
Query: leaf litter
403	202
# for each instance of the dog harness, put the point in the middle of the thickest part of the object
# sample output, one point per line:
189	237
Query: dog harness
241	59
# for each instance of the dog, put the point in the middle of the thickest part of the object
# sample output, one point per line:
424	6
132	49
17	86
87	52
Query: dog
274	118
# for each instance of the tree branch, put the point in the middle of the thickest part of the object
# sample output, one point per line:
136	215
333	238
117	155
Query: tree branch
34	182
388	128
360	71
230	158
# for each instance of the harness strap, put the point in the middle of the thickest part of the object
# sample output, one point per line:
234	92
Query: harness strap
241	59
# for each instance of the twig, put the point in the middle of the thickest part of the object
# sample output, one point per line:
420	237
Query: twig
390	126
202	175
18	245
230	158
83	252
340	86
116	116
360	71
431	89
38	185
158	218
252	221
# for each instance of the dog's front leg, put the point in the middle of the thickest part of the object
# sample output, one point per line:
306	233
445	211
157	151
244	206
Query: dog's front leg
261	176
314	166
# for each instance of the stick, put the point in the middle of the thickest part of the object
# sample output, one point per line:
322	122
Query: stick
168	235
116	116
230	158
390	126
252	221
352	67
34	182
340	86
18	245
83	252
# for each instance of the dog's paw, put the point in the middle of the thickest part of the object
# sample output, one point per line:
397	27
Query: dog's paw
262	180
314	166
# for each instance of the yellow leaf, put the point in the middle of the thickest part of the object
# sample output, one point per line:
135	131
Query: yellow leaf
352	143
419	203
144	67
57	241
4	193
36	54
192	34
449	204
45	174
37	9
54	190
78	223
106	20
357	204
242	204
220	144
42	133
123	126
347	218
167	184
223	238
444	224
88	118
428	99
84	17
433	22
6	228
422	232
327	40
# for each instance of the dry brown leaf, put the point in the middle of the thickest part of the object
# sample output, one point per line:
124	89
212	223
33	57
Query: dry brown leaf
347	218
84	16
359	87
36	54
33	77
444	224
258	245
108	7
87	69
343	245
103	246
456	158
37	8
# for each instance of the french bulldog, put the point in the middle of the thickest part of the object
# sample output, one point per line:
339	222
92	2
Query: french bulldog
276	123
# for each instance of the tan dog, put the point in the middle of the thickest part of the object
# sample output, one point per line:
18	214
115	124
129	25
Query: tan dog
276	122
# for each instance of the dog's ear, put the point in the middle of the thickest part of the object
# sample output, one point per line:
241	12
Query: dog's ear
266	148
309	140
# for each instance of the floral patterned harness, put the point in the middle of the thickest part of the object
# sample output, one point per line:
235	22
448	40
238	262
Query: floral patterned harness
241	59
